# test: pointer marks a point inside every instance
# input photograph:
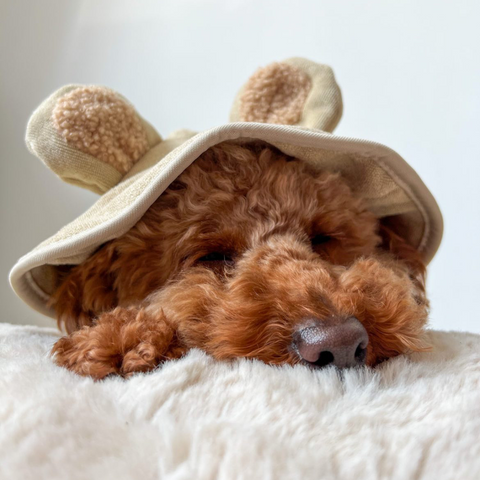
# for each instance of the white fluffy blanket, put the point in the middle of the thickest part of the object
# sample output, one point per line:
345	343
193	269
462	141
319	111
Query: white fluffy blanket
411	418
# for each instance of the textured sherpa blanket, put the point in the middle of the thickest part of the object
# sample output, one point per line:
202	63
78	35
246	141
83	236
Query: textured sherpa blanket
411	418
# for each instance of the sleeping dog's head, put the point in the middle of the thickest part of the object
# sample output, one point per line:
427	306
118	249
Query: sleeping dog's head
251	253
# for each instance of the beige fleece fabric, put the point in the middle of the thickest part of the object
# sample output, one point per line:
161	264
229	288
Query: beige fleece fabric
388	184
322	107
72	165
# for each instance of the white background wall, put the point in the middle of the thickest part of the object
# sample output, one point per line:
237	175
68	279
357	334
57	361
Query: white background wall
409	71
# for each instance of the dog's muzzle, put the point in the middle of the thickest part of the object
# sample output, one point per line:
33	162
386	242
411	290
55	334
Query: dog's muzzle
338	342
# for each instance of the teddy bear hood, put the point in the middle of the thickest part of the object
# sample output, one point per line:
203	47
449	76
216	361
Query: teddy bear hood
92	137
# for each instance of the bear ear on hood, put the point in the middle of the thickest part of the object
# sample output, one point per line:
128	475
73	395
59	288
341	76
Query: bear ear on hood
89	136
292	92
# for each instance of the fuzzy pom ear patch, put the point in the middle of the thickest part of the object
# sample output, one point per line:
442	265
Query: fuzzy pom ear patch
275	94
97	121
295	91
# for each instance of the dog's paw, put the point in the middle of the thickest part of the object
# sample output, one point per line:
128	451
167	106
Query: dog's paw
77	353
122	342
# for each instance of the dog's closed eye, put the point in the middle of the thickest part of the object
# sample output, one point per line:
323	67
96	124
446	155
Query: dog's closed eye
217	257
320	239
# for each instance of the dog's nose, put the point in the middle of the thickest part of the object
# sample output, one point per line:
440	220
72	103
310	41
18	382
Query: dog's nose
342	343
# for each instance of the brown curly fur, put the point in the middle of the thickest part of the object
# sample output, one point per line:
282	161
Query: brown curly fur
290	243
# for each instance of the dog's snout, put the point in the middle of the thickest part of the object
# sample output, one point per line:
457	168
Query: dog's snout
342	343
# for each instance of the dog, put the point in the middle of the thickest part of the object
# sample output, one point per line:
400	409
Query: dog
251	254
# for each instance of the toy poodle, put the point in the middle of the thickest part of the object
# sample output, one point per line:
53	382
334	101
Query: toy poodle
249	253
